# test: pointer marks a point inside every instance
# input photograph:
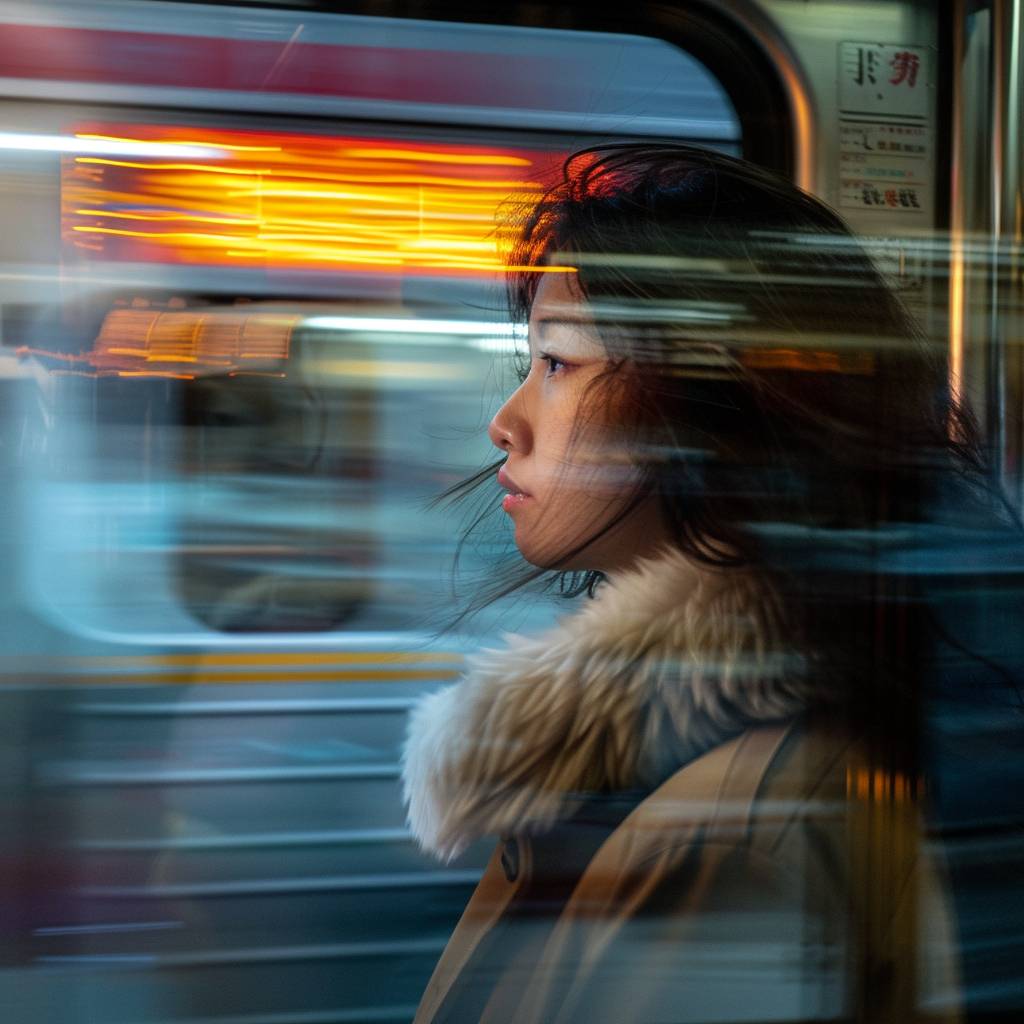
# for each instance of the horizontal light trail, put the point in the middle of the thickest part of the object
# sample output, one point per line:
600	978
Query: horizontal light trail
397	325
288	200
95	146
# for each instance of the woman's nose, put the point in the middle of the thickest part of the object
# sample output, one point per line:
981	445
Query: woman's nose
509	429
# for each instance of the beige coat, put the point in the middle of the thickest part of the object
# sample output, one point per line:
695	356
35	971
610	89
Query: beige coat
770	877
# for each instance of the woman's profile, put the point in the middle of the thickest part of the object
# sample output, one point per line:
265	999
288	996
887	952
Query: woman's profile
704	780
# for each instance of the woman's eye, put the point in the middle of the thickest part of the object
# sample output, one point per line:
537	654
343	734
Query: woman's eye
555	365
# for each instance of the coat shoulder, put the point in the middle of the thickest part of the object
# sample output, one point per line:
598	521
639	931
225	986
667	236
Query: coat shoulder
706	868
761	791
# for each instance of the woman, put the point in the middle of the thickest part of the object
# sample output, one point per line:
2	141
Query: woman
703	781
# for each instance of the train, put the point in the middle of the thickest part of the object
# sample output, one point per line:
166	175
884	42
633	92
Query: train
253	324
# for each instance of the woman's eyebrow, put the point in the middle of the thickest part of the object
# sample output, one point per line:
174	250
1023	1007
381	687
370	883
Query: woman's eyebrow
542	323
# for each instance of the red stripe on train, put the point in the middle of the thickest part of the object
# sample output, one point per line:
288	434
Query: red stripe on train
218	63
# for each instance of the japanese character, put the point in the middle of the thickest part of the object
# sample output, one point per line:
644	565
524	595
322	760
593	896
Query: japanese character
867	61
905	66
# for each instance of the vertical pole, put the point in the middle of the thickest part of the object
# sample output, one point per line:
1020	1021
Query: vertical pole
1006	376
957	214
986	219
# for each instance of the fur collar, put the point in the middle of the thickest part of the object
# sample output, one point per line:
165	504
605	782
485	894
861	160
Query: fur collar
666	662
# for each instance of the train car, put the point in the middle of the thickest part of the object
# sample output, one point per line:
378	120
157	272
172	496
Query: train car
253	322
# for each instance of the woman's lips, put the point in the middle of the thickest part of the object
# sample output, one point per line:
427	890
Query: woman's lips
516	497
513	501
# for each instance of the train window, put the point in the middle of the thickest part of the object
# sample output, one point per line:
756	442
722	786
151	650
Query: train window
305	501
274	62
284	335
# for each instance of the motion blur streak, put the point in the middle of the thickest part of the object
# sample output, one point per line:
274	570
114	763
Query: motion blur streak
295	201
237	147
182	343
398	326
97	144
246	678
276	658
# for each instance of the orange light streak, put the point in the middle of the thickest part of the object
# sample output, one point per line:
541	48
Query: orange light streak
156	373
128	233
220	145
183	344
153	166
493	159
299	201
155	217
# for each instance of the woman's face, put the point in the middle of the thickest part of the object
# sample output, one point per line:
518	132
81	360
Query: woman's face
566	472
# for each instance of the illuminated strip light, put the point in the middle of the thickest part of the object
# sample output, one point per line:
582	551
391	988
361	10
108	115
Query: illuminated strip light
484	159
130	341
293	200
498	344
482	335
105	147
221	146
180	344
396	325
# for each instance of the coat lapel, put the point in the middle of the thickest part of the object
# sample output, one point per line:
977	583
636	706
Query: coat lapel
710	799
489	901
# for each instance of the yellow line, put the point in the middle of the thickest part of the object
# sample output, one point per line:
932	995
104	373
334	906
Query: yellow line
186	678
275	658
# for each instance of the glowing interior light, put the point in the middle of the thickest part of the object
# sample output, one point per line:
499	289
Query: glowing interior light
182	344
295	201
221	146
493	159
396	325
85	145
501	345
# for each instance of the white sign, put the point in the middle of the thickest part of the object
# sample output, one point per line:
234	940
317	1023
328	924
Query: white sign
877	78
884	166
883	144
860	194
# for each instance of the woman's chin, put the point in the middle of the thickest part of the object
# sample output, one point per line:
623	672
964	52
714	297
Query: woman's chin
537	559
551	558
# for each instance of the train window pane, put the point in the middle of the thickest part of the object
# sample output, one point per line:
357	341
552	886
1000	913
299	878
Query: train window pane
194	482
283	338
376	69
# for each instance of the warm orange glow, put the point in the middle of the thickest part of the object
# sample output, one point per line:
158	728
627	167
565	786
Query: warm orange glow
864	783
957	274
808	360
220	145
156	217
421	156
182	344
299	201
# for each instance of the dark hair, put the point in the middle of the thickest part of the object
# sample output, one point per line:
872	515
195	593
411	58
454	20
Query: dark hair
776	384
